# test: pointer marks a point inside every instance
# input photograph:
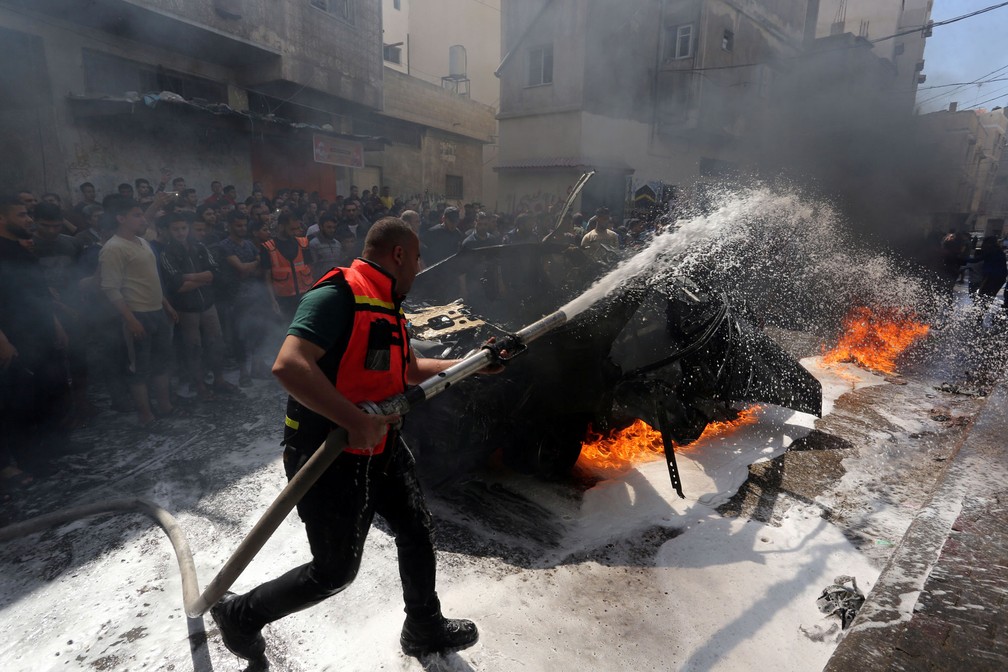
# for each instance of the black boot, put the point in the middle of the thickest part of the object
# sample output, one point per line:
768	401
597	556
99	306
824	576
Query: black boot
248	645
437	635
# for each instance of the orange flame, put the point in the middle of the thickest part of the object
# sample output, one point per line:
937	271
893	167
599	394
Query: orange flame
874	339
621	449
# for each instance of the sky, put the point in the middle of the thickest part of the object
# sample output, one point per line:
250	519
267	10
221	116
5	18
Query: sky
963	52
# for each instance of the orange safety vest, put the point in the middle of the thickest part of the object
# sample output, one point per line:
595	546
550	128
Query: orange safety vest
374	362
283	271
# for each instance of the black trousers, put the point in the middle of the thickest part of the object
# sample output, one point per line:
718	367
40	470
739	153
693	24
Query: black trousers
34	399
337	514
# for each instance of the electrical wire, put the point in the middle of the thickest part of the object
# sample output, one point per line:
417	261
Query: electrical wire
989	100
945	22
916	29
949	93
977	83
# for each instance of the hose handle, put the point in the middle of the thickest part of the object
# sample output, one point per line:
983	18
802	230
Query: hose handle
512	344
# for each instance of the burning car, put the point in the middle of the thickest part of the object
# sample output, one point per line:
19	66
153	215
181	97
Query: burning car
664	350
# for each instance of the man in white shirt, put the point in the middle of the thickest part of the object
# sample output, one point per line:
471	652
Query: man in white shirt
600	239
130	280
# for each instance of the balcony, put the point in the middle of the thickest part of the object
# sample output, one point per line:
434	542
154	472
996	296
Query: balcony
215	31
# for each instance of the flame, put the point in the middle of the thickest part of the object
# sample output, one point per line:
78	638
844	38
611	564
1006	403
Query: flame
621	449
874	339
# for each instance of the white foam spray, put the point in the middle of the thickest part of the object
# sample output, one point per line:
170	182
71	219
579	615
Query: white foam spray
669	248
788	259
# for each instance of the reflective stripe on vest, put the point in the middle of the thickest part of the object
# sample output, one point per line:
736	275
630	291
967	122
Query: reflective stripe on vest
284	271
374	364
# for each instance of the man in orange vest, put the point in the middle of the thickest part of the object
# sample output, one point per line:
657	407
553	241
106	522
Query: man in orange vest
285	260
347	344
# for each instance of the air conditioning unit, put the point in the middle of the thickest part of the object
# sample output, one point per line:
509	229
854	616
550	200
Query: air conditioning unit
919	66
921	78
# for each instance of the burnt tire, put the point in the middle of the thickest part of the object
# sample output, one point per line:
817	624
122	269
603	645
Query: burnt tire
548	447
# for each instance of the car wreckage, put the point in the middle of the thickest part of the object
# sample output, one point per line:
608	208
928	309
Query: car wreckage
661	348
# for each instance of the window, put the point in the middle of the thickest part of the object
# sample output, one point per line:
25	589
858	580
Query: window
453	186
397	4
108	74
899	49
679	42
540	66
340	8
392	53
728	41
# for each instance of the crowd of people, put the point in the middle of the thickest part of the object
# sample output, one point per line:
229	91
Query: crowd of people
982	258
156	290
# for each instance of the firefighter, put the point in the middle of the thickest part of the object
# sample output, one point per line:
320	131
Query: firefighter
347	344
285	262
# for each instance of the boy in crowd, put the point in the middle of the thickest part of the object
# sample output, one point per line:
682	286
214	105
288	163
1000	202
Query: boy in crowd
129	278
188	270
242	294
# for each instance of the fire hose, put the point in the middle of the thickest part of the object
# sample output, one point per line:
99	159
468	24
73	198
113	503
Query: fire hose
195	603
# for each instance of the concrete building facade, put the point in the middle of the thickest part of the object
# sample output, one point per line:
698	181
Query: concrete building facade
876	21
97	59
641	92
967	148
455	45
434	141
677	94
288	93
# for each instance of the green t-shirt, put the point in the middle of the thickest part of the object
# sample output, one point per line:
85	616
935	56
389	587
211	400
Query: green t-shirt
324	316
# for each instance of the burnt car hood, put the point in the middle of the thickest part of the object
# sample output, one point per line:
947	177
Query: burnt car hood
660	348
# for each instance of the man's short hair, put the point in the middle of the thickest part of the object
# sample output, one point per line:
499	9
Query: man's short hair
85	184
169	218
286	218
256	224
326	217
601	210
235	215
117	205
178	179
141	180
9	201
51	194
90	211
230	187
451	213
48	212
125	185
386	234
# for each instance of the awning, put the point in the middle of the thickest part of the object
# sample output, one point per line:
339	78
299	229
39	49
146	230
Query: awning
152	104
126	19
566	163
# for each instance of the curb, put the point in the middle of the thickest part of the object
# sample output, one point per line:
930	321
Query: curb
977	470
